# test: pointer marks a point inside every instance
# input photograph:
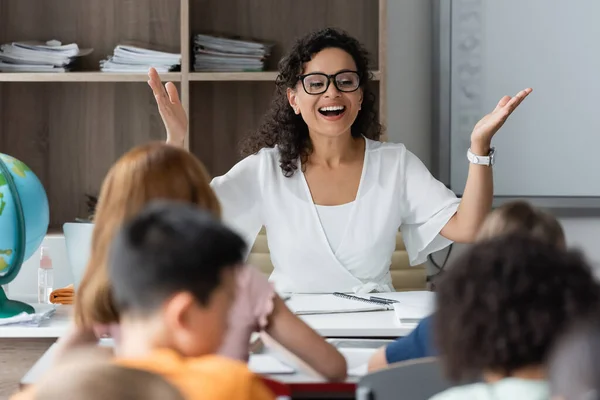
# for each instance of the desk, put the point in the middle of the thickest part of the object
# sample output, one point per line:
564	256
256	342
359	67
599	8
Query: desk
22	346
375	324
25	345
303	385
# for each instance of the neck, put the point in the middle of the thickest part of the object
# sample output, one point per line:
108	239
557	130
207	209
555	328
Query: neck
332	152
139	337
533	372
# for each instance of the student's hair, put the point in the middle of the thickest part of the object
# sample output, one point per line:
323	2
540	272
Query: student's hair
148	172
101	381
281	127
170	247
503	302
574	364
522	217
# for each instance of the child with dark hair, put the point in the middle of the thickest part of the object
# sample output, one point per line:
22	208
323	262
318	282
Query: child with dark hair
574	365
172	268
500	308
173	273
512	217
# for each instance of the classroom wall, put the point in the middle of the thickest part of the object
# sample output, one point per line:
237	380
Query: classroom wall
409	101
409	122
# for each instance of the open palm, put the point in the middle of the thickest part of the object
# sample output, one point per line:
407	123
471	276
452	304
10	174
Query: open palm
170	108
490	124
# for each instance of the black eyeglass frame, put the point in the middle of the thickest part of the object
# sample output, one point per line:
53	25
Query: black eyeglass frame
329	78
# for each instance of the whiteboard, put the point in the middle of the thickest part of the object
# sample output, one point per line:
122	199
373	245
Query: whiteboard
491	48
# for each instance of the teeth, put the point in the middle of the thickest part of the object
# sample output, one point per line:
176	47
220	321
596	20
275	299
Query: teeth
332	108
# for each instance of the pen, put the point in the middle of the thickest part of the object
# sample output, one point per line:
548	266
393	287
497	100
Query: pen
389	301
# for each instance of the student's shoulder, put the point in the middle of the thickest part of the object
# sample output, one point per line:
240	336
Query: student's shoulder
472	391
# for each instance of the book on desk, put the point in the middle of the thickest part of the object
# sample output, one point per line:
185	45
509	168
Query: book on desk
409	307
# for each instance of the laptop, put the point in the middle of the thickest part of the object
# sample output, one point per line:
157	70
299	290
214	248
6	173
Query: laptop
78	240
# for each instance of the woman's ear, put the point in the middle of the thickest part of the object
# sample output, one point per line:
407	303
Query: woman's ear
293	100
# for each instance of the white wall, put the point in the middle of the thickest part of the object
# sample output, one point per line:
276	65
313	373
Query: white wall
409	101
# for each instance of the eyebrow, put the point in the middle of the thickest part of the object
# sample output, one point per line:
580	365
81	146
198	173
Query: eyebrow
337	72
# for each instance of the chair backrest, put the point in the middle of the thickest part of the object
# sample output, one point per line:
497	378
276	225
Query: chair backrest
409	380
404	277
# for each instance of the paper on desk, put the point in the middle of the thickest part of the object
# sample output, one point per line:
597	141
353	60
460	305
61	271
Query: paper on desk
42	313
357	360
267	364
412	306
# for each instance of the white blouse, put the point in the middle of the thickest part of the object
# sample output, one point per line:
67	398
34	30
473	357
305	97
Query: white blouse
396	191
333	220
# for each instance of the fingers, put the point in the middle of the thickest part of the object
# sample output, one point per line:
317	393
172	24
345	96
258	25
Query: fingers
519	97
155	83
503	101
172	92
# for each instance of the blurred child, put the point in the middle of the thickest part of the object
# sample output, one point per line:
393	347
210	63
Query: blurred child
500	308
511	217
160	171
91	376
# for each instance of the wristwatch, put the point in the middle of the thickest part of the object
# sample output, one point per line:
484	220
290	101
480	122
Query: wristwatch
482	160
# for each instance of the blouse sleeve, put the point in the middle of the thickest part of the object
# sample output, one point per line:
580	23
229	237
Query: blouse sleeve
239	192
427	205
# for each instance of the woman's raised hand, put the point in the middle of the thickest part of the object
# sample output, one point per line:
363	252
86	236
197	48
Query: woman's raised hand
170	108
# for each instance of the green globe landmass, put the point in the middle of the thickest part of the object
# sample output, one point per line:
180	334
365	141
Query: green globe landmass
3	262
20	168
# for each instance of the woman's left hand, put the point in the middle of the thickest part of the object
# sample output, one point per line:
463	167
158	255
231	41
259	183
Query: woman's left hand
487	127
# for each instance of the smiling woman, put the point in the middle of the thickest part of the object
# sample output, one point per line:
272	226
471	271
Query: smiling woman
330	194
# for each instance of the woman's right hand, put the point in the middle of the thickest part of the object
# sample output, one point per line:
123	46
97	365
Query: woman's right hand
170	109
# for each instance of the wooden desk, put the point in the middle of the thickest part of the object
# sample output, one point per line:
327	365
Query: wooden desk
26	345
303	384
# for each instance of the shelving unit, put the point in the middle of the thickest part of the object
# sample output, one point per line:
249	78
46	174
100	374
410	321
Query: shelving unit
70	127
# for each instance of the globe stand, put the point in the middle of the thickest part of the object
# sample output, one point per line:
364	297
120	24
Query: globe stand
10	308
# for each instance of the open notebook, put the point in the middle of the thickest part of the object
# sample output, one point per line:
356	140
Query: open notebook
306	304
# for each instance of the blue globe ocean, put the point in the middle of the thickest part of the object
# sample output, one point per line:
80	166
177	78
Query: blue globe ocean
36	213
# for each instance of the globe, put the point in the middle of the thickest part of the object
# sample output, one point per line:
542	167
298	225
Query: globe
24	219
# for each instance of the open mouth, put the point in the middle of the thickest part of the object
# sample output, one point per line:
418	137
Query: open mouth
332	111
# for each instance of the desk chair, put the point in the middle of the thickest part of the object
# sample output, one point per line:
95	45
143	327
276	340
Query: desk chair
409	380
404	277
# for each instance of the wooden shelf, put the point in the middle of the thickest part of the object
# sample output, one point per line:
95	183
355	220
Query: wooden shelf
70	134
91	76
244	76
233	76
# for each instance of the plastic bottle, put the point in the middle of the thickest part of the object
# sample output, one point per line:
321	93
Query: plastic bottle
45	277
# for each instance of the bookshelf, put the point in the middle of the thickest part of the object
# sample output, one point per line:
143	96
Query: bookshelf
70	127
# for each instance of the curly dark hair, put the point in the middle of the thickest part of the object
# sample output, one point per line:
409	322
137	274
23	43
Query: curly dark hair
503	303
281	127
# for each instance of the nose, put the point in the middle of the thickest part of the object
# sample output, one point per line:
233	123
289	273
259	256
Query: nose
332	90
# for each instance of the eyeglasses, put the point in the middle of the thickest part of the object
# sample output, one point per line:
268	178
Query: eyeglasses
318	83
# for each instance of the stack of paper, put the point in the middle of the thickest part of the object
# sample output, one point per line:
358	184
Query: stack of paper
136	58
306	304
411	307
229	54
51	56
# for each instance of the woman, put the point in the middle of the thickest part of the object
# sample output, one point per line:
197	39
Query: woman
330	195
161	171
512	217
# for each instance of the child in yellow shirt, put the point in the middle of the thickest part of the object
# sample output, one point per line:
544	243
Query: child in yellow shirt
172	269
